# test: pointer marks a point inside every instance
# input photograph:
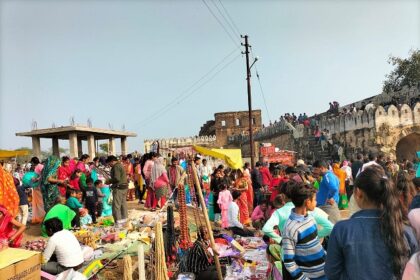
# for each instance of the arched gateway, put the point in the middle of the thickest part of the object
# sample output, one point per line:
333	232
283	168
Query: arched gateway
408	146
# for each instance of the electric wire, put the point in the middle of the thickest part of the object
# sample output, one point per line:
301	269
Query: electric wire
231	19
226	20
261	88
146	122
175	100
221	24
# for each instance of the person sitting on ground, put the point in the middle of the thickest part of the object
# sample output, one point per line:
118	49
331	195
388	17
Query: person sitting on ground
85	218
304	256
8	233
233	214
258	216
64	245
199	260
61	211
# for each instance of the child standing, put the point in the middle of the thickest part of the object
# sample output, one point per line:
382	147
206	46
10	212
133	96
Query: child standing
304	256
74	204
225	198
100	206
23	205
74	179
91	199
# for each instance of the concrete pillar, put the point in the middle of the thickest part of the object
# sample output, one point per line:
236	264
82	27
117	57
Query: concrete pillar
79	147
55	147
36	146
91	146
73	145
124	145
111	146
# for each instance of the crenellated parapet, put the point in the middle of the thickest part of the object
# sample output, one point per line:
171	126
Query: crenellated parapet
166	143
373	118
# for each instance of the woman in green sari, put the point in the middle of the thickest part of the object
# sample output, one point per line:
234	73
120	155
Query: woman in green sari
49	182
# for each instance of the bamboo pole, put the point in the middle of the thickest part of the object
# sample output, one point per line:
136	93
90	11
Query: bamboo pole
208	225
142	272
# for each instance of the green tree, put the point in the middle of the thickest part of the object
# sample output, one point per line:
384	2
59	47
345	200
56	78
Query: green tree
104	147
405	73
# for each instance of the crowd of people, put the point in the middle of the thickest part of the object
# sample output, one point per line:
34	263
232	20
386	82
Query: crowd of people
295	208
298	208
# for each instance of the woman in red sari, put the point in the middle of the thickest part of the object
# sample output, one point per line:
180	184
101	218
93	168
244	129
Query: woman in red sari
64	173
277	180
241	184
8	233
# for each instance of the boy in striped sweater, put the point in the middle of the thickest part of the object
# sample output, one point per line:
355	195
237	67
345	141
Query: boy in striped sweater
304	256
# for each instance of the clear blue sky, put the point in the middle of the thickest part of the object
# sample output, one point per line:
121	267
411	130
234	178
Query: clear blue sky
120	62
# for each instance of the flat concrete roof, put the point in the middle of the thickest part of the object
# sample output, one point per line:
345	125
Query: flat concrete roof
63	132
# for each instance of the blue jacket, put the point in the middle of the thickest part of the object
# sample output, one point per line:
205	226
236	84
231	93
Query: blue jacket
356	249
328	188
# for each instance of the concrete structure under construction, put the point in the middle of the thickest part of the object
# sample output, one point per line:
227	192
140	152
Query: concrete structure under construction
76	134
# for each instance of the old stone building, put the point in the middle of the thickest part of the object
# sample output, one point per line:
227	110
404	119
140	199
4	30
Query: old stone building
234	123
181	142
207	129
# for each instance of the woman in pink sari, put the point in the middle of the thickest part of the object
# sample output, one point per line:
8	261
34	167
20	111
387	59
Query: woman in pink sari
38	211
147	171
8	234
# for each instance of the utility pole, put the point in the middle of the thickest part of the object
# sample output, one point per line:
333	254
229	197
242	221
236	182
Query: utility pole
248	79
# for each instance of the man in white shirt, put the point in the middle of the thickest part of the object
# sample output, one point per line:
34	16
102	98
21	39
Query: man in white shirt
233	217
64	246
372	161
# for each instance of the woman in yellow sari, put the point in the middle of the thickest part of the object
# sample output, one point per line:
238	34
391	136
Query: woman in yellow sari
9	197
341	175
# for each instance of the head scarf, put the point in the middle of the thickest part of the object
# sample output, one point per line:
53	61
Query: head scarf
158	169
9	197
49	190
50	168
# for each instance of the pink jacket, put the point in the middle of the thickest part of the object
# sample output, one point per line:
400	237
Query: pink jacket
147	169
225	198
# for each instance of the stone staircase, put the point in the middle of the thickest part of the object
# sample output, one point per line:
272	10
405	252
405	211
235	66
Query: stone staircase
315	148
